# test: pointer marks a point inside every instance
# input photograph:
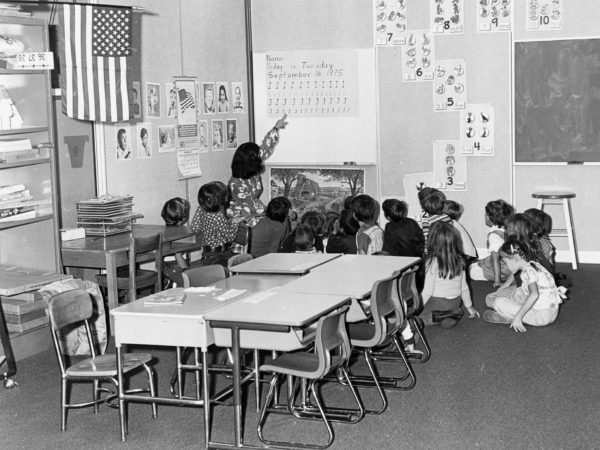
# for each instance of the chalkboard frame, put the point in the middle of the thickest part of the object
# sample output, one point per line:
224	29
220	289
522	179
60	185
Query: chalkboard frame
556	101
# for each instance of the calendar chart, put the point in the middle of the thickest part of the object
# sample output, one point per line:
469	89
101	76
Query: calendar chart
319	84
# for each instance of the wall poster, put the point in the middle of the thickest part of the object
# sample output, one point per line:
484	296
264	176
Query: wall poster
450	85
418	57
494	15
390	22
447	16
543	15
449	166
477	130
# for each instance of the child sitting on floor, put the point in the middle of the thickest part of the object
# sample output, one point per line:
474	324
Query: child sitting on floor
369	238
271	230
535	302
455	210
344	240
445	286
492	268
305	240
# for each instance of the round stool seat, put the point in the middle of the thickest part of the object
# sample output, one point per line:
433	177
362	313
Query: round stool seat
553	195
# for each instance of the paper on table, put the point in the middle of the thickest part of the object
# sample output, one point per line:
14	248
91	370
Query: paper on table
231	293
201	289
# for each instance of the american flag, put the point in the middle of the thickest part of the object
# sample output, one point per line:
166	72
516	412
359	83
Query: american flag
96	43
186	100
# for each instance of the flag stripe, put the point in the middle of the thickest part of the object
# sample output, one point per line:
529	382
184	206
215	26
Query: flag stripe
94	68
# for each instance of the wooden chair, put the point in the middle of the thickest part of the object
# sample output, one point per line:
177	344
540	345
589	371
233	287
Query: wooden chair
140	249
238	259
330	352
68	309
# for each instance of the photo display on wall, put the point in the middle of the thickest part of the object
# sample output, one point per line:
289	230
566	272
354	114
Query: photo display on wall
477	130
494	15
319	84
418	56
389	18
447	16
449	166
449	85
543	15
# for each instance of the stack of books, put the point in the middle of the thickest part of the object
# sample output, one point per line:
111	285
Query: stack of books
22	304
15	203
106	215
13	9
17	150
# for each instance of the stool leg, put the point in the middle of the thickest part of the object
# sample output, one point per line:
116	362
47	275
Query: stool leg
570	232
540	204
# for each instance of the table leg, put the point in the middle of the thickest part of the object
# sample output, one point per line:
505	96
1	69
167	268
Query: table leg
111	281
237	387
206	394
120	392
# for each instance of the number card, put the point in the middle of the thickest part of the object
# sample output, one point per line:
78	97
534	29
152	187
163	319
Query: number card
477	130
418	57
449	85
494	15
447	16
543	15
449	166
317	84
389	18
33	61
188	162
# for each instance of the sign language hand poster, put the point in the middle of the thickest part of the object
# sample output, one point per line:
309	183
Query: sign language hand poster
449	166
449	85
543	15
447	16
390	22
418	56
494	15
477	130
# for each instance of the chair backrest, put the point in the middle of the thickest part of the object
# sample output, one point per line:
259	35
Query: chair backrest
238	258
331	338
408	293
386	311
67	309
142	249
203	275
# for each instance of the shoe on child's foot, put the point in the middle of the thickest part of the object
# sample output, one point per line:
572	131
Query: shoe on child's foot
494	317
448	322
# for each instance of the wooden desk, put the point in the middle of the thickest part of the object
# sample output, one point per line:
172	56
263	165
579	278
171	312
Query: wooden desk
110	252
261	323
171	325
284	263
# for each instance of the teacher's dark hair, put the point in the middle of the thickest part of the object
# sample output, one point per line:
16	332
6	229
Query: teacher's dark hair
246	161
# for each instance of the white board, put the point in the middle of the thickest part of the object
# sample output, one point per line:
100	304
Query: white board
330	99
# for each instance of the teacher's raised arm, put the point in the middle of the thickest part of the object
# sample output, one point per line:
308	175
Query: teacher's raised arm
245	184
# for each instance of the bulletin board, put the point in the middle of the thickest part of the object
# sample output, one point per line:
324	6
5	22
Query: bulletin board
557	101
329	96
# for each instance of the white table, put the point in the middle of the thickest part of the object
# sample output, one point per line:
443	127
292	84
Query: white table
383	266
269	322
284	263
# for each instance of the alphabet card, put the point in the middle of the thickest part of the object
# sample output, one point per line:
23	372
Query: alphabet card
390	22
494	15
447	16
477	130
418	56
449	166
543	15
449	85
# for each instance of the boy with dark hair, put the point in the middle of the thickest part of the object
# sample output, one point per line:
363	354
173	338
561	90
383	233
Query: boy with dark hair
369	238
271	230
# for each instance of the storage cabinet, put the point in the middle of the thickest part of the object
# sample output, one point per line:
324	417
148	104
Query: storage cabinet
31	241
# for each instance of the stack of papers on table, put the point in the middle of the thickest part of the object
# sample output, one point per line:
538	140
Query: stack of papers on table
162	298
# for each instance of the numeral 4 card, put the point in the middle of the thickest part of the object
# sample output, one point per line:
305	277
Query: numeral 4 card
449	166
418	56
390	22
449	85
477	130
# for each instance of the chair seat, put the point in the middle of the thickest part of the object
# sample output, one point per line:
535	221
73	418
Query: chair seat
302	364
106	365
553	195
361	333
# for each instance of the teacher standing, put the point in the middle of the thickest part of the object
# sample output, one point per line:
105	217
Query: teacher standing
245	184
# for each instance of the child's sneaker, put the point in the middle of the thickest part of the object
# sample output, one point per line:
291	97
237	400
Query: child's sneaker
494	317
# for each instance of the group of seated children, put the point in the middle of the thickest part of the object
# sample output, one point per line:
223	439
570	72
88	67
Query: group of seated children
520	262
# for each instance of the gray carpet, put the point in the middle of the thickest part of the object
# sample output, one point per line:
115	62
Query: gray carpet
484	387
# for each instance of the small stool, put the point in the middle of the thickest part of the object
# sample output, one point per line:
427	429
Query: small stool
564	199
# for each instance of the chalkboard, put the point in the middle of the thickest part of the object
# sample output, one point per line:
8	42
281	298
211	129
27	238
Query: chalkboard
557	101
330	99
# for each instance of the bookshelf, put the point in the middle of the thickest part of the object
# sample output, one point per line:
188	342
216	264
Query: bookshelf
27	239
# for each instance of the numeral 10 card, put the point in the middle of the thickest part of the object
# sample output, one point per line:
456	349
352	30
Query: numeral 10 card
477	130
449	85
449	166
418	56
543	15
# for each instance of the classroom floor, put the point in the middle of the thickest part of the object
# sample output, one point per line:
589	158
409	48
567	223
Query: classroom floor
485	387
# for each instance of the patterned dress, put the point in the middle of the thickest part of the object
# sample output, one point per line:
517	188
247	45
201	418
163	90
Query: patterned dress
245	193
